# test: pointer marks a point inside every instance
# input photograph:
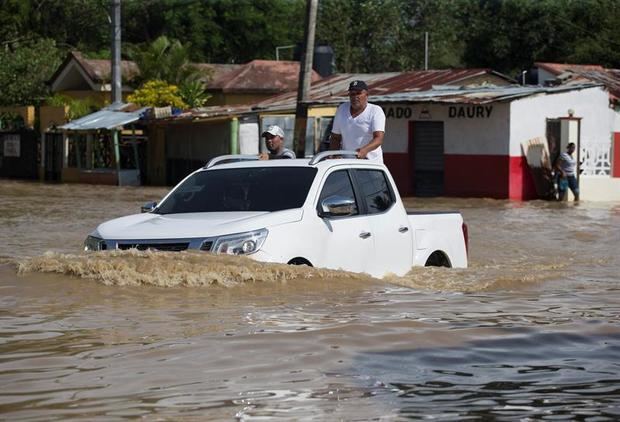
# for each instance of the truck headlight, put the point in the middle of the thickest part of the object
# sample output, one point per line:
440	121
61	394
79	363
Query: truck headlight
241	243
93	243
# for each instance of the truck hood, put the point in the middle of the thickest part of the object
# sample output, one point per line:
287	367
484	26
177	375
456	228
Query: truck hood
173	226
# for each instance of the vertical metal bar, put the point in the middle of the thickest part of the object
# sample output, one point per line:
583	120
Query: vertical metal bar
117	156
234	135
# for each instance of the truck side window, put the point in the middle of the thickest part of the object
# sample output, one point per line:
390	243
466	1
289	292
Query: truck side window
338	183
375	190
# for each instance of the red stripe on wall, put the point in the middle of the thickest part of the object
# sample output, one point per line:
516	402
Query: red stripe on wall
493	176
478	176
615	163
400	166
522	186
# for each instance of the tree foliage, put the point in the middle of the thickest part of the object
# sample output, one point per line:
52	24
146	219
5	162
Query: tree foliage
24	70
157	93
166	60
366	35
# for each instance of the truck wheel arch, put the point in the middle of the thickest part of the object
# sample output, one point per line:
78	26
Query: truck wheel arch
438	259
300	261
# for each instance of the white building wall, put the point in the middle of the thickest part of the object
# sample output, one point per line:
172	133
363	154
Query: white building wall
469	129
528	116
615	117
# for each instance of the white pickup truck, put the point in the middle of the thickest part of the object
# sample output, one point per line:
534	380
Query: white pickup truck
333	213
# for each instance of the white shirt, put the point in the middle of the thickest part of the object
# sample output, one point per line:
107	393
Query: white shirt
358	131
567	164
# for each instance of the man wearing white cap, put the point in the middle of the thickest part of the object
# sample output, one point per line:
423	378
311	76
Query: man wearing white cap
274	141
359	125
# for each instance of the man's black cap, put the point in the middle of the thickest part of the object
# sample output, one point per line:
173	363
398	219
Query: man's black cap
358	86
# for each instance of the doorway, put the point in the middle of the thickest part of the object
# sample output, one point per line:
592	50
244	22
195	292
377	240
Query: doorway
427	158
53	156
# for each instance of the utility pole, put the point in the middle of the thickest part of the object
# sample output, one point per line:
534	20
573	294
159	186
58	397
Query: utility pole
426	51
117	97
305	77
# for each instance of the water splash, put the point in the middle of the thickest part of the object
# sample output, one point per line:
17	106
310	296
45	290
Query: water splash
171	269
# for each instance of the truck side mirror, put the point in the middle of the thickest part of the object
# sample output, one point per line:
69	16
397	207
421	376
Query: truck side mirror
148	207
337	206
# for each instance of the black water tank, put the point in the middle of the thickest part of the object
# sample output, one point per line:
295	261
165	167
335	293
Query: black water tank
322	61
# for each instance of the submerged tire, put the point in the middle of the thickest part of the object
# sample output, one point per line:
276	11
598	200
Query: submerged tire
299	261
438	259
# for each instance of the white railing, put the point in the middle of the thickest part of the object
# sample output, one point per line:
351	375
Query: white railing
595	159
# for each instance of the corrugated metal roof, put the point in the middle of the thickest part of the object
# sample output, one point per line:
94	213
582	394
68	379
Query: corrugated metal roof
583	73
476	95
608	77
335	87
438	94
107	118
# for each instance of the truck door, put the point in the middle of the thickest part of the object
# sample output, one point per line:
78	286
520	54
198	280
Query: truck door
346	241
388	222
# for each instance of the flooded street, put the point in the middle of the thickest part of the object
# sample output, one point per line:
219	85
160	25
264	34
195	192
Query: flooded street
531	331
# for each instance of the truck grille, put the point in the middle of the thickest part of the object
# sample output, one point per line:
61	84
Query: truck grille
172	247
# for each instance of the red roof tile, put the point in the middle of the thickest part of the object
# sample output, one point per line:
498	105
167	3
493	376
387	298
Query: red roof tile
261	76
559	68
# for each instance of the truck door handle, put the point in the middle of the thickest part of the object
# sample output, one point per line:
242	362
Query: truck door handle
403	229
365	235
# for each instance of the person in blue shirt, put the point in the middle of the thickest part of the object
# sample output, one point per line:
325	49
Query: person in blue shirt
566	168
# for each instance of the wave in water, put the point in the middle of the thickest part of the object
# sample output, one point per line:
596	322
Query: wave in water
171	269
194	269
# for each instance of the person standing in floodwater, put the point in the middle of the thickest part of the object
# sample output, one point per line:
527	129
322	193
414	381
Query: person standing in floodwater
566	166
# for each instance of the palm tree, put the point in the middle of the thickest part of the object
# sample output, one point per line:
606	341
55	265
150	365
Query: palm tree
168	60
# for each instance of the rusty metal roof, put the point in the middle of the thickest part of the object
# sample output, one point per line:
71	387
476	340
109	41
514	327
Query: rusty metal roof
586	73
334	88
559	68
438	94
608	77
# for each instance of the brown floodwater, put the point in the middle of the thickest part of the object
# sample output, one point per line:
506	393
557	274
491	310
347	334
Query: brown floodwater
530	331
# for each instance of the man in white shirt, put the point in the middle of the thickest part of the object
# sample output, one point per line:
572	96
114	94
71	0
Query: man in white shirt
359	125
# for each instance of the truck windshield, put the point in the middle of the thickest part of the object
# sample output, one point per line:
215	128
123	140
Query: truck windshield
242	189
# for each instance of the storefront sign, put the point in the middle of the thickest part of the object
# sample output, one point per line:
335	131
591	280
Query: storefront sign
470	112
398	112
11	146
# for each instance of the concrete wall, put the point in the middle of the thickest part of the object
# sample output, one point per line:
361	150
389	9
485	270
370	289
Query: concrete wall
615	118
52	116
599	188
198	141
528	116
27	113
476	145
469	129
